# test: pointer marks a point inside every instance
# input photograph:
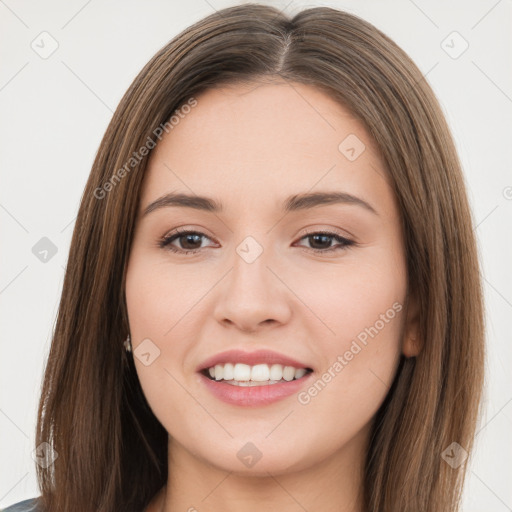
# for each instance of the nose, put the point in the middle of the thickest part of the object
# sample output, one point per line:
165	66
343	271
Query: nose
252	296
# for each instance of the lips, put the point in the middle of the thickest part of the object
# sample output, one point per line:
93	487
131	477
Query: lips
251	359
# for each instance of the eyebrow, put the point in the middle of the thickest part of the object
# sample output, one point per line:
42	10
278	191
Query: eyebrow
293	203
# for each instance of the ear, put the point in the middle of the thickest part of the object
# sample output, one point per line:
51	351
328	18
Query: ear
412	343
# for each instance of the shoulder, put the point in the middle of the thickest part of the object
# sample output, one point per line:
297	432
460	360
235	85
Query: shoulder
30	505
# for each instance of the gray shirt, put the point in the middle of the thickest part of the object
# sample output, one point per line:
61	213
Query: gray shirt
29	505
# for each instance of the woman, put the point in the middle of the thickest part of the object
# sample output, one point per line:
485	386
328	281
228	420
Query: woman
273	297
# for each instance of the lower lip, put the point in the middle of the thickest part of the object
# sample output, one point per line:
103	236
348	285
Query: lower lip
254	395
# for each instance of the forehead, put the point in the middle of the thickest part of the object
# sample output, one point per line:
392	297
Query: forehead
248	142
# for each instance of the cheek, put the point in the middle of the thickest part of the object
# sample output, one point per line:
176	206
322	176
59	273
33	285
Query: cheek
361	304
356	300
158	300
160	309
359	365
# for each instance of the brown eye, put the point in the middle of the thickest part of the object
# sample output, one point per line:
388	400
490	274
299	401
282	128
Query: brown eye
189	241
321	241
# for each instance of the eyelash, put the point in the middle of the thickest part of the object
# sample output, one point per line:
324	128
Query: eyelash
164	242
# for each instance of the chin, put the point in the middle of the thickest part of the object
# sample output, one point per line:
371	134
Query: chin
256	458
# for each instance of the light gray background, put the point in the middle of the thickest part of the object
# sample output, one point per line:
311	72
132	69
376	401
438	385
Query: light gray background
55	110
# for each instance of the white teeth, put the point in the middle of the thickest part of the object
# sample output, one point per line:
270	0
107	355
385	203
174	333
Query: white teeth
243	374
288	373
219	372
228	372
251	383
300	372
276	372
260	373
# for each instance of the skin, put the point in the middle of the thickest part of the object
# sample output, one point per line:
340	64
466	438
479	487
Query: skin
250	147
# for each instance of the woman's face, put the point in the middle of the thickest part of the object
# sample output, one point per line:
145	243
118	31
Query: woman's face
263	279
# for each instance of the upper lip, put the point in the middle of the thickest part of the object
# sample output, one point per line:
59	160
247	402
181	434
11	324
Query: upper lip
250	358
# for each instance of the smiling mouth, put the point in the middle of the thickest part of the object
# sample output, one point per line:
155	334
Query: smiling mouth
258	375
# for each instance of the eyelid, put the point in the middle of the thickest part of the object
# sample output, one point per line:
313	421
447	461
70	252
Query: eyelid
188	230
308	231
330	230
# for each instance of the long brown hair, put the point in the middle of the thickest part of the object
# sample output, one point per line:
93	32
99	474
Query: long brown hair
112	451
